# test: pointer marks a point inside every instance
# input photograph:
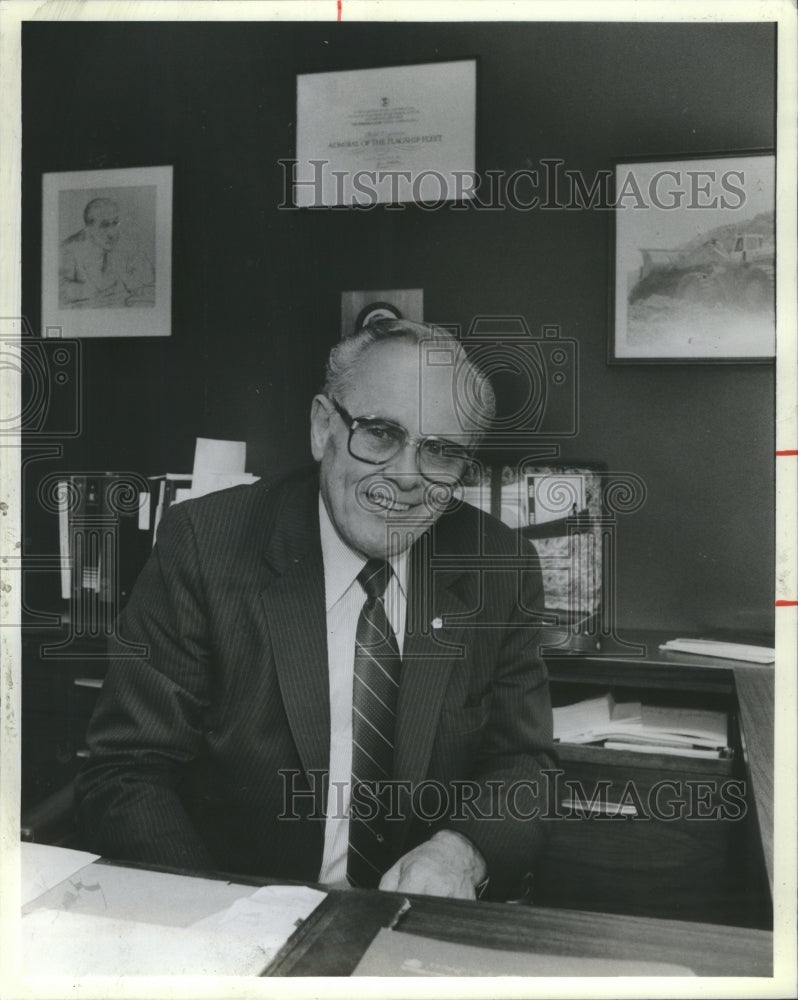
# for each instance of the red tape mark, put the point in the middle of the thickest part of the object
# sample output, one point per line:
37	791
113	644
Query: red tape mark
787	604
791	451
339	10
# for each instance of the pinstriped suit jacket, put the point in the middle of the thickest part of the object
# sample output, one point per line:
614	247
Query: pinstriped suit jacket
197	740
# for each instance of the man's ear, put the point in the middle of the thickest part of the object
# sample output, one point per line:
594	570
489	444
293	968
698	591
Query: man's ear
320	415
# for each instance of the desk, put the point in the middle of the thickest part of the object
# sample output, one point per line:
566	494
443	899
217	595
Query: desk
335	936
750	686
669	873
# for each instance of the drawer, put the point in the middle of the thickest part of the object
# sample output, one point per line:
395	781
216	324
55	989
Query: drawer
650	835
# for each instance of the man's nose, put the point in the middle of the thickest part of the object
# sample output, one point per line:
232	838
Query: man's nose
404	466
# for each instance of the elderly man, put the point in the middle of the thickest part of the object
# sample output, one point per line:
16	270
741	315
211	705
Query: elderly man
339	678
95	270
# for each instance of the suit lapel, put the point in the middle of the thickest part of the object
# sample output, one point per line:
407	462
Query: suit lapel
432	649
294	606
295	612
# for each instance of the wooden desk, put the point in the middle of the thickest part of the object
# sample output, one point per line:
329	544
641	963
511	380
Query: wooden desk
333	939
750	686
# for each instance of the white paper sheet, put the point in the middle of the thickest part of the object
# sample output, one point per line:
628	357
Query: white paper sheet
61	943
43	866
144	511
270	915
723	650
240	939
211	455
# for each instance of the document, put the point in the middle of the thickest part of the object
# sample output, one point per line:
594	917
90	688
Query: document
722	650
392	134
42	867
60	943
212	455
239	940
218	465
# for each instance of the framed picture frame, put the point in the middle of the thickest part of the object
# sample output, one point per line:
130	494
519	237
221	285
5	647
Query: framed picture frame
387	135
107	253
694	259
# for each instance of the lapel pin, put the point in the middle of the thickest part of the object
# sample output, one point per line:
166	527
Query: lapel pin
437	623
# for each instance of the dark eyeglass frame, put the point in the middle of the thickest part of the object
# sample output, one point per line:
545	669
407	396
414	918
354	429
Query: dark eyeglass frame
352	423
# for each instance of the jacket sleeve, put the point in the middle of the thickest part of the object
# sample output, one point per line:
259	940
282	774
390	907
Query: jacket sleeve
147	727
507	820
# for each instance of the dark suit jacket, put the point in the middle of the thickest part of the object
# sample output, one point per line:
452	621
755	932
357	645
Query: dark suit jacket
230	688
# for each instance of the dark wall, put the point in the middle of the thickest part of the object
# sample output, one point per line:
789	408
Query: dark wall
256	289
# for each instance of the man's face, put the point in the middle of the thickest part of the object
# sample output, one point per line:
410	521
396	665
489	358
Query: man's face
369	503
103	225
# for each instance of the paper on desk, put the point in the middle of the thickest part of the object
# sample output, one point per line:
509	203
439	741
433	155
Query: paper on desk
42	867
722	650
61	943
394	953
272	913
238	941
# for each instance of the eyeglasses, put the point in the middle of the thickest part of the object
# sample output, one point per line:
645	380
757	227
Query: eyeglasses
376	441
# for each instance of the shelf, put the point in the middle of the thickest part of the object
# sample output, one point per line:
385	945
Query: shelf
616	760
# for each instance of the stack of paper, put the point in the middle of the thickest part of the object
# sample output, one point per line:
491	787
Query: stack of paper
595	720
724	650
218	465
647	728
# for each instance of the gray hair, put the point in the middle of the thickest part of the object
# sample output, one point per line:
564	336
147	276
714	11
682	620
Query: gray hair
474	392
93	205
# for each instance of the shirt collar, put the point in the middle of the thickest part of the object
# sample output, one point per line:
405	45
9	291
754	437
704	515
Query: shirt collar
342	564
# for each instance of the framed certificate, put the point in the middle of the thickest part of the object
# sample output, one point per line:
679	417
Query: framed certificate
389	135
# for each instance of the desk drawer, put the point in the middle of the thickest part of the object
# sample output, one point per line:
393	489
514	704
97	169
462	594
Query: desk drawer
645	834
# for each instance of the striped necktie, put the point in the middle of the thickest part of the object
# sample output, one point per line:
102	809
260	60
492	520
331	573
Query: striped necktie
374	698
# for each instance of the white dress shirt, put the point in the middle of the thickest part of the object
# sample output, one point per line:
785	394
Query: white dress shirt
344	599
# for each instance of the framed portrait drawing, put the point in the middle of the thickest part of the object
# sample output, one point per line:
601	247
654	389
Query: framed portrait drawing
694	260
107	253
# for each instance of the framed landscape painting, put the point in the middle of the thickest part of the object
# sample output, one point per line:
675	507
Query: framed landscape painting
694	260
